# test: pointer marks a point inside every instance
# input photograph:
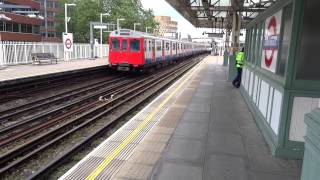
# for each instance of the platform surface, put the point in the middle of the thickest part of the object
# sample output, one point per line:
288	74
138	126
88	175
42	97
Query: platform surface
29	70
200	128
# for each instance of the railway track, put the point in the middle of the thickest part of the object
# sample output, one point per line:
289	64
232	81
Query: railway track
80	118
13	92
18	111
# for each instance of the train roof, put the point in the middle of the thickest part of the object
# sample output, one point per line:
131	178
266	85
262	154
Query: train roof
138	34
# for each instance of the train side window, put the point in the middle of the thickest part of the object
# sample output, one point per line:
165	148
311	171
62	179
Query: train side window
134	45
149	45
115	44
158	46
124	44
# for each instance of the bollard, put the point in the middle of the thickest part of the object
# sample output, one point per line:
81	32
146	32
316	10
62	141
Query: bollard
225	58
311	160
232	68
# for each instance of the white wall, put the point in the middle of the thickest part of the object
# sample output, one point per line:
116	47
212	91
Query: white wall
266	98
301	106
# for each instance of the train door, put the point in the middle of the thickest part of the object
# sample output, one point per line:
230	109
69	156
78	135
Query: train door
158	50
163	51
171	50
153	49
147	58
167	51
136	52
125	55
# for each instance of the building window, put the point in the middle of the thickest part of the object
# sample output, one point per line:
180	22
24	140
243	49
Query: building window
51	34
29	28
15	27
56	4
2	26
50	14
50	24
36	29
50	4
23	28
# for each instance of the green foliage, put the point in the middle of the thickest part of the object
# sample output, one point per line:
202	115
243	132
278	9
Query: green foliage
89	10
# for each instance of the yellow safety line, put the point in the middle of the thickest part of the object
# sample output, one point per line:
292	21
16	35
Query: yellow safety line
131	136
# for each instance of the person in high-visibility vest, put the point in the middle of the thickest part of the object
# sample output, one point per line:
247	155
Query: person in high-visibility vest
239	63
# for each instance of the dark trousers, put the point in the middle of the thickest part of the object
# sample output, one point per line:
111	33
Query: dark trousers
237	81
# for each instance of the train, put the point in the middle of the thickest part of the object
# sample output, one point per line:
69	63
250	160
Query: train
131	50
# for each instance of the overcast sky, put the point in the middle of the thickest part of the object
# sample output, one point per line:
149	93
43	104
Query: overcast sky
162	8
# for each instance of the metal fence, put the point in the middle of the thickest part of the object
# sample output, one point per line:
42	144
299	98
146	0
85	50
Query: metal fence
12	53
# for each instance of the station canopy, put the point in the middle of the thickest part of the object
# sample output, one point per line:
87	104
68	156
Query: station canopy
218	13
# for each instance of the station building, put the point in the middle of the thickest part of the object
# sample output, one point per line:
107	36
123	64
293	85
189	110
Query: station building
20	20
48	29
166	25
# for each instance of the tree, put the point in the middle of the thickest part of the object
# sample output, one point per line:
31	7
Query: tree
89	10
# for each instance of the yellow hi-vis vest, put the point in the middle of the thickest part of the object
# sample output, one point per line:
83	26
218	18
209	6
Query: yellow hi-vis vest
239	59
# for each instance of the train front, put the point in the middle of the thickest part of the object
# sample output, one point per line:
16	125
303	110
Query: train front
126	50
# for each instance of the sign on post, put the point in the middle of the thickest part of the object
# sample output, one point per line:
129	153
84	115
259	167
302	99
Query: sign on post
68	42
271	41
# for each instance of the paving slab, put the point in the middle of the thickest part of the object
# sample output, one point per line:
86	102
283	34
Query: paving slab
186	149
178	171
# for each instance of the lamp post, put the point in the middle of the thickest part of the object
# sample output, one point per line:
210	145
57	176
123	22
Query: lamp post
118	21
136	24
66	18
147	29
102	14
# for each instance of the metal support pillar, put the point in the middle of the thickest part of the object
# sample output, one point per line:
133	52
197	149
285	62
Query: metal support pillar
236	24
226	49
91	41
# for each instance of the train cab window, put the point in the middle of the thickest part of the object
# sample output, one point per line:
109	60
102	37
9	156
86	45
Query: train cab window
115	44
134	45
124	44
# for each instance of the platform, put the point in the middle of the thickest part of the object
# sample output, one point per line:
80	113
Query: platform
200	128
17	72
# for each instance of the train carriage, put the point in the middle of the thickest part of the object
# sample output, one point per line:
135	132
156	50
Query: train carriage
131	50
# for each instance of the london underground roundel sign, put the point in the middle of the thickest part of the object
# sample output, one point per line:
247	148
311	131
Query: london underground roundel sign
68	42
270	44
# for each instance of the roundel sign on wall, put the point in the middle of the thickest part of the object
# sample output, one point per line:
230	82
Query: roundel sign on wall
271	39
